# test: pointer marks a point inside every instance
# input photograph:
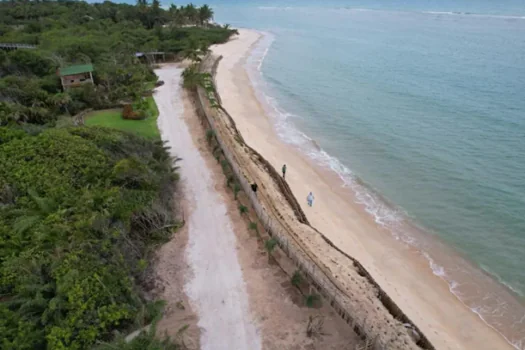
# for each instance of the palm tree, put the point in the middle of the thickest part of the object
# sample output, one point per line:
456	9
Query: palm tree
191	77
177	15
193	51
191	13
205	14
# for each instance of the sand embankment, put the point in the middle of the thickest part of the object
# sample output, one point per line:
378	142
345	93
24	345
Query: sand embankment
401	273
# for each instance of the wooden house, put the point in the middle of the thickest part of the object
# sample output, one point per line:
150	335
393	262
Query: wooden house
77	75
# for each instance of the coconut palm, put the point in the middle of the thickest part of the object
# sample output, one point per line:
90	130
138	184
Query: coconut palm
191	13
205	14
193	51
191	77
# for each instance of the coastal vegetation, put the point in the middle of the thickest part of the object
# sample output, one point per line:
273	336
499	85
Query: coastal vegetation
83	208
106	35
81	211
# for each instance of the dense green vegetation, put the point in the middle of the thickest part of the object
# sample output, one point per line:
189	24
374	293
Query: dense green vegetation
83	208
80	211
105	34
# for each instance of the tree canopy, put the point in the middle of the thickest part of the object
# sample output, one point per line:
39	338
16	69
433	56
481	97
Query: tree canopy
105	34
80	210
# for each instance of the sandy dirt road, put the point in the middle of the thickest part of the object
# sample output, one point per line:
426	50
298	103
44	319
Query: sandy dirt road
216	288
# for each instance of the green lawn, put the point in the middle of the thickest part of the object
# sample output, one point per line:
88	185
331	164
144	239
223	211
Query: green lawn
112	118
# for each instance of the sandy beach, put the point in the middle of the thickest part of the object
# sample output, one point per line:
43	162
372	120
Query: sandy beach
399	270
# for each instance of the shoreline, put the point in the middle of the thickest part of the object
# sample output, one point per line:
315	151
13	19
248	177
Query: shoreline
403	274
462	277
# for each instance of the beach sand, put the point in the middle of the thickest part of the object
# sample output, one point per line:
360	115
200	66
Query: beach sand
401	271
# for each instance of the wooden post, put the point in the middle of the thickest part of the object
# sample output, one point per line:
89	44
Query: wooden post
91	77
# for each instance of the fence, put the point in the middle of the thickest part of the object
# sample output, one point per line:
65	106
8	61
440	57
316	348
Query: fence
320	278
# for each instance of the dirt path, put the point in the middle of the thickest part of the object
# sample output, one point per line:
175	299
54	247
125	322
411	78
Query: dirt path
216	288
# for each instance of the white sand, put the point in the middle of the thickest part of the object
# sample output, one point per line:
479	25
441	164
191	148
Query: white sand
216	289
404	275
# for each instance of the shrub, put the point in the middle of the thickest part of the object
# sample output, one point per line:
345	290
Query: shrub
297	278
236	189
243	209
311	299
229	179
209	135
225	166
127	112
270	245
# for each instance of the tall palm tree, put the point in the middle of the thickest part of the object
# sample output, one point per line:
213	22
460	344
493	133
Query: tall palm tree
191	13
205	14
191	77
193	51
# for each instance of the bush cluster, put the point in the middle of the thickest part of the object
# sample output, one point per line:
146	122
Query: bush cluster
80	211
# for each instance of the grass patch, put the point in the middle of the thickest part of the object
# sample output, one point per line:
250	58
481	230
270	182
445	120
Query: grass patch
112	118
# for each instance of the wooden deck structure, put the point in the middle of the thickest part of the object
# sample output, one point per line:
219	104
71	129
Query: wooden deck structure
15	46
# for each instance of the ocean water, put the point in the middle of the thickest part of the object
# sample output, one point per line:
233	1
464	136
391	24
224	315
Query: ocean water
420	108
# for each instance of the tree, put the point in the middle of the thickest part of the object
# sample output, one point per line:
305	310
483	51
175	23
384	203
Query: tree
105	34
191	78
205	14
156	14
191	13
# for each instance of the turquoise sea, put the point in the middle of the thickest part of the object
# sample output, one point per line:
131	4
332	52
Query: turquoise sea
420	108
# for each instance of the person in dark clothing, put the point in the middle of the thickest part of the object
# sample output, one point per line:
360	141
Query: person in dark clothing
284	171
254	187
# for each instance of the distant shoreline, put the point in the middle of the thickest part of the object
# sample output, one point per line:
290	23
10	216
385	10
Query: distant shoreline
266	142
